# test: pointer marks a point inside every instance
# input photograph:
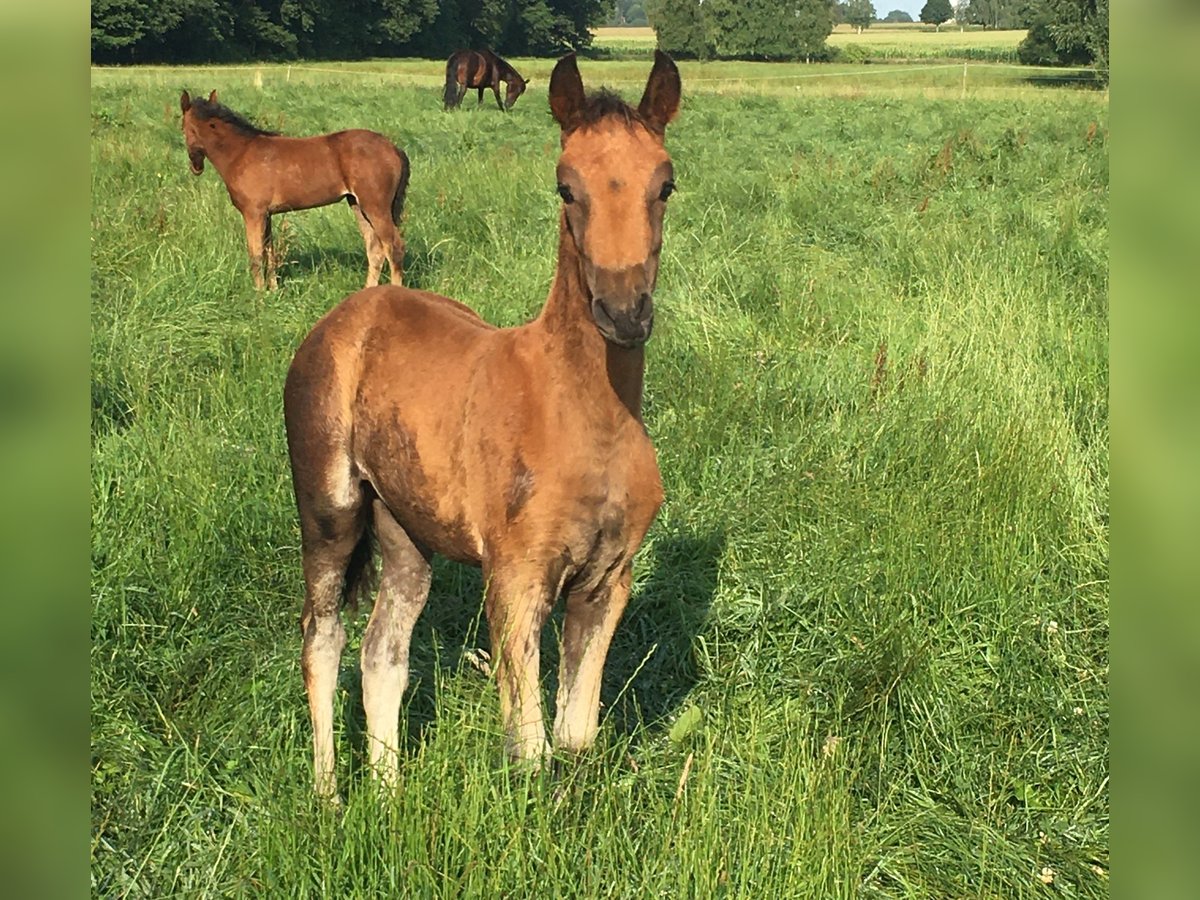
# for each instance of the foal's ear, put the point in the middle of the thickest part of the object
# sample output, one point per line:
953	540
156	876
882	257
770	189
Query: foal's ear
185	101
566	91
212	98
661	100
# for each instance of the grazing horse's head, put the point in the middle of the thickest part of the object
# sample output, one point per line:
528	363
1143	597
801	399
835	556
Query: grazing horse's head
515	88
614	176
193	131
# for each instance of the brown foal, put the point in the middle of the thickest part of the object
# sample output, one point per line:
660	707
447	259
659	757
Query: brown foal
521	450
267	173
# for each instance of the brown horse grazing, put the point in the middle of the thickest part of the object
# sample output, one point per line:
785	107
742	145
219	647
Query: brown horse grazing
521	450
266	173
481	69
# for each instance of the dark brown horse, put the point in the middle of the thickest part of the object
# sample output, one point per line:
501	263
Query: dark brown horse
481	69
267	173
521	450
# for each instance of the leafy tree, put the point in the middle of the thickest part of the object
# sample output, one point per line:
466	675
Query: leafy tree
767	29
1066	32
993	13
120	27
627	12
935	12
679	27
860	13
897	15
744	29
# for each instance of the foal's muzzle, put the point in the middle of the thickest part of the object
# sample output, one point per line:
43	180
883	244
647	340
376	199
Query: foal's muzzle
196	159
626	325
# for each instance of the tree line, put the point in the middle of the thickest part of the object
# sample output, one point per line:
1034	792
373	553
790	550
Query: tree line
1060	32
185	31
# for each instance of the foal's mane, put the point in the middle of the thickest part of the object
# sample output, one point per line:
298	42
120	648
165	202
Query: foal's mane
602	104
205	110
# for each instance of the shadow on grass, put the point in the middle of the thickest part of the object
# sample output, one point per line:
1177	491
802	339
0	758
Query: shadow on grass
1072	80
650	668
420	263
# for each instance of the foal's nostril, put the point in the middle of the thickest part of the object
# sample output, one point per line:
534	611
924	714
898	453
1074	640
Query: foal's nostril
643	306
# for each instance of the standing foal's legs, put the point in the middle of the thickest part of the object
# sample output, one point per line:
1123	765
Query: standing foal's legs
375	252
325	564
272	258
402	594
258	231
591	619
517	604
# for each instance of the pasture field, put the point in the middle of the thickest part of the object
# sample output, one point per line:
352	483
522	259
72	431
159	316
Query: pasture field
879	42
867	651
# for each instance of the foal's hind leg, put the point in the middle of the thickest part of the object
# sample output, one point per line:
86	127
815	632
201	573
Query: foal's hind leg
402	594
326	560
375	251
388	243
591	618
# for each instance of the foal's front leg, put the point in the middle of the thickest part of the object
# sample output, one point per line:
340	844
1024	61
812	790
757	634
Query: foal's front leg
591	619
258	235
517	605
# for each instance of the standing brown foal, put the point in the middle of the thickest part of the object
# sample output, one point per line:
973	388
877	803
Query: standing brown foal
521	450
267	173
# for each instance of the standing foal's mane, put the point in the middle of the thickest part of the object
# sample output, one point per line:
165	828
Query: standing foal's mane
204	110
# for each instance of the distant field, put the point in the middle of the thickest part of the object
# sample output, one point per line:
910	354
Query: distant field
624	35
903	41
867	650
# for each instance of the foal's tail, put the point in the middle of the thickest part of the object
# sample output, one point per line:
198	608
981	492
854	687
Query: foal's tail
402	187
450	94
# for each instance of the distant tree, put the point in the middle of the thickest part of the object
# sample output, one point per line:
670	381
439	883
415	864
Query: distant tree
935	12
627	12
897	15
1066	32
860	13
744	29
679	27
838	8
992	13
768	29
120	26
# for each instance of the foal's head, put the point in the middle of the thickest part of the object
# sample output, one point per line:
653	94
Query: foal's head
201	121
614	176
193	128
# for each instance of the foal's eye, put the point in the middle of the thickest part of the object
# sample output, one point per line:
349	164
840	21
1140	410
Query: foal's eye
668	189
565	193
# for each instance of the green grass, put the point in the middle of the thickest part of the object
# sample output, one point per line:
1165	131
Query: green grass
870	623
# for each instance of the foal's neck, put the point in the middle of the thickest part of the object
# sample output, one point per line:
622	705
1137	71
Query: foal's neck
567	320
227	147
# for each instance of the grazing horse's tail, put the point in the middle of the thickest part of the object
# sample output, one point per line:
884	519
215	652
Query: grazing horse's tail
450	95
402	188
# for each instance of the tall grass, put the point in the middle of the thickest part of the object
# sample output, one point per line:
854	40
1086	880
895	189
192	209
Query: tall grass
867	649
